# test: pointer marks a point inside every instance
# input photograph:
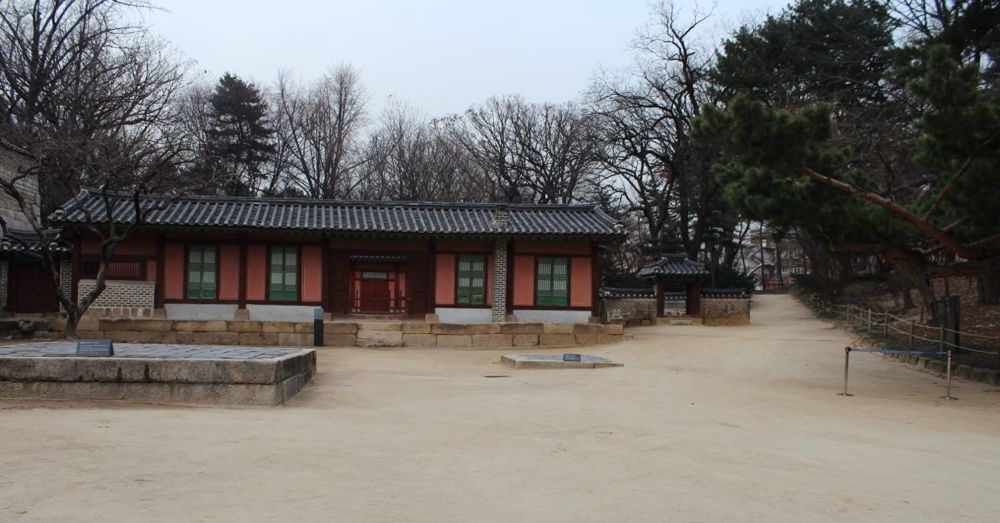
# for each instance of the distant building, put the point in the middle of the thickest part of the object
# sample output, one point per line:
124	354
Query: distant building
26	286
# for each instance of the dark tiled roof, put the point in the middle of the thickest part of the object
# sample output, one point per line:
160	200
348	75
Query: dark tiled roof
725	293
709	293
673	265
30	241
622	292
344	216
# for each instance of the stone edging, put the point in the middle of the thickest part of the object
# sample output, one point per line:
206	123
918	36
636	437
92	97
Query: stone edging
344	334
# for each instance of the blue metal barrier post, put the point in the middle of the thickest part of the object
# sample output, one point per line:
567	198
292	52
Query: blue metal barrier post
847	364
947	394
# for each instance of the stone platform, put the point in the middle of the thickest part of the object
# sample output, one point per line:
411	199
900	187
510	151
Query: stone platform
555	361
159	373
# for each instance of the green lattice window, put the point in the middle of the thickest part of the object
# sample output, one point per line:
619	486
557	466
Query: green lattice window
552	281
201	275
284	282
471	288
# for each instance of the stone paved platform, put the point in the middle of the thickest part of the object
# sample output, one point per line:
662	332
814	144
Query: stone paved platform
161	373
55	349
555	361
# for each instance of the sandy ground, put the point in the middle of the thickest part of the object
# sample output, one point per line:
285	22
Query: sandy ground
702	424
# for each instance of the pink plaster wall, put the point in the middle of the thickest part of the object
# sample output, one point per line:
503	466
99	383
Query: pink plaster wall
444	280
173	271
256	272
524	281
581	282
312	273
229	272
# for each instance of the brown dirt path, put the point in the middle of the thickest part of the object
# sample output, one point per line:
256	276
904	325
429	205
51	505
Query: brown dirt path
702	424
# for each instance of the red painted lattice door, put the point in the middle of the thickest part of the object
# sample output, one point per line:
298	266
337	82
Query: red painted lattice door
375	295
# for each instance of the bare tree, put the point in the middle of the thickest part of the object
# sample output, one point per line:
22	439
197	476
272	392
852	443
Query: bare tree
487	134
90	97
529	152
557	148
409	158
318	130
649	156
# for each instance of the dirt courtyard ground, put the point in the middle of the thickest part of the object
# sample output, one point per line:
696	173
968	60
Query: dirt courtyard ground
701	424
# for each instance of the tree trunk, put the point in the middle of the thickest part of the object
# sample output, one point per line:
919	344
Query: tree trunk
72	319
907	297
923	286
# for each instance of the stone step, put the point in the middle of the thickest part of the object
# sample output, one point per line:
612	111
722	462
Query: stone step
369	335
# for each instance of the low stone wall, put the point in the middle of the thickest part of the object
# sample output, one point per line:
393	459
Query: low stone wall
725	311
631	311
122	298
342	334
156	374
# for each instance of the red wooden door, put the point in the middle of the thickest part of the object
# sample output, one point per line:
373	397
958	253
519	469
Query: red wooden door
374	295
32	290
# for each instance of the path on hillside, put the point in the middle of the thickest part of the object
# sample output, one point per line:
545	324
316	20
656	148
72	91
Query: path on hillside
702	424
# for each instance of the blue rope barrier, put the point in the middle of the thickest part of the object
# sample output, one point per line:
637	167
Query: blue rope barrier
910	352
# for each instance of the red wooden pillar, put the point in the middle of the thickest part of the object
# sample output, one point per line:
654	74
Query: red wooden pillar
160	266
325	294
431	298
242	296
595	274
694	298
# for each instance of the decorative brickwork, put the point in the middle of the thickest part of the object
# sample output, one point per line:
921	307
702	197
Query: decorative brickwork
122	298
628	310
499	312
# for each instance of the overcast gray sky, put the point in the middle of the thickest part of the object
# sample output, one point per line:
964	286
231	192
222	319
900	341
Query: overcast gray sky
439	56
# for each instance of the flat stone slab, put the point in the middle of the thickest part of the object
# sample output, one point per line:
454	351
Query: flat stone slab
555	361
163	373
63	349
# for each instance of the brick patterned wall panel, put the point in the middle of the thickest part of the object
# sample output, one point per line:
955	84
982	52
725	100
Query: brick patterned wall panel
499	298
120	293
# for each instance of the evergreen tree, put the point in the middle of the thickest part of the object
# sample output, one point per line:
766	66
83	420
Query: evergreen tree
792	168
238	138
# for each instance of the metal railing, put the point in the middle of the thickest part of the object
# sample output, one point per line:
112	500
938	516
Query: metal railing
907	331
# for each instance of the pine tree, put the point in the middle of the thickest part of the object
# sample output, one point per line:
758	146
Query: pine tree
239	137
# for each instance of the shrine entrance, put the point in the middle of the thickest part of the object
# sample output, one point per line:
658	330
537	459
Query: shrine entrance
378	287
